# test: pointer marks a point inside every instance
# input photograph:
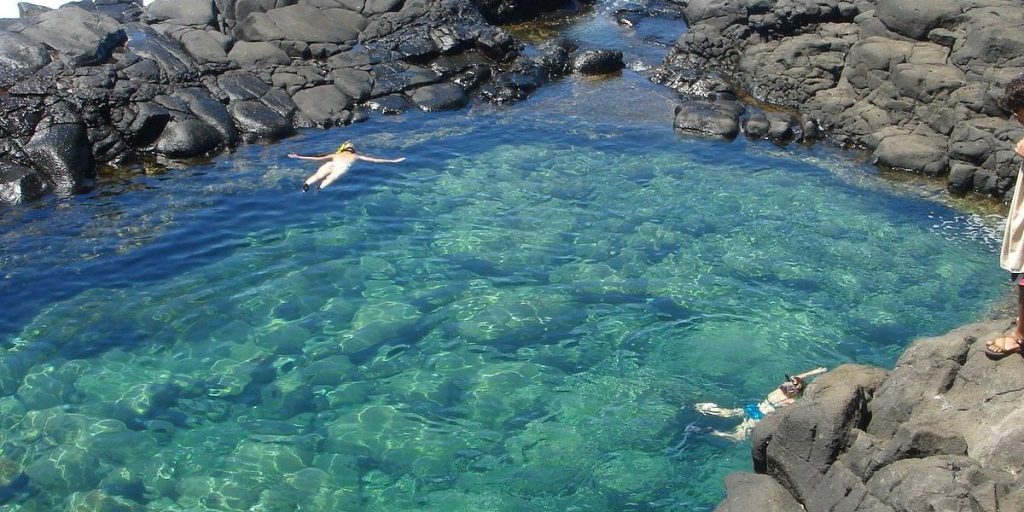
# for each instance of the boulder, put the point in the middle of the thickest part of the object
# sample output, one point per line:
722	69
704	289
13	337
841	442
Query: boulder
597	62
709	117
354	83
554	57
915	18
780	126
396	77
324	105
195	13
987	45
211	112
28	9
20	55
392	104
746	492
123	11
756	126
242	86
175	64
280	102
187	138
715	13
916	153
207	45
62	155
81	38
256	120
144	122
258	54
19	184
926	82
961	178
936	483
303	22
917	440
438	97
808	438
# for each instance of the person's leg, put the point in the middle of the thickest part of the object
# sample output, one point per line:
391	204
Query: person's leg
1018	330
332	177
737	434
319	175
1012	342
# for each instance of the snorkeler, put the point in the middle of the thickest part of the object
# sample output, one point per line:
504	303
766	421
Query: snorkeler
785	394
339	163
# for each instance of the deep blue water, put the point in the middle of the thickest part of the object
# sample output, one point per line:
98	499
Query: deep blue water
518	317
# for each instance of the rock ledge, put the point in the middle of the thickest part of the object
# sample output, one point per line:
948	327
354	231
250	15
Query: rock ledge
939	432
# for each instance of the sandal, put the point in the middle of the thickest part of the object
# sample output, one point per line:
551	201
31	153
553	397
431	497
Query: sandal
997	348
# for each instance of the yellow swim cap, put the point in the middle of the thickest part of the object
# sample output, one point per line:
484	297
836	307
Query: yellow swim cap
347	146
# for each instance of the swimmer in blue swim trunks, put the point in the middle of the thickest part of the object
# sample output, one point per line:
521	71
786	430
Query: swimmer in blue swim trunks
782	396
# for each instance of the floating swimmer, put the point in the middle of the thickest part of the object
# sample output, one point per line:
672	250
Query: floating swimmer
339	163
785	394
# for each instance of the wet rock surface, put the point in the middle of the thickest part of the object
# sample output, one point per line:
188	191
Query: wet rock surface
932	434
900	79
107	82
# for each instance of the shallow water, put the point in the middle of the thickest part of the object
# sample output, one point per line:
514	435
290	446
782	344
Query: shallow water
518	317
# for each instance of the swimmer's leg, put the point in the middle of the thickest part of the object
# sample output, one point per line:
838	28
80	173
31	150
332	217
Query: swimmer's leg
737	434
320	174
332	177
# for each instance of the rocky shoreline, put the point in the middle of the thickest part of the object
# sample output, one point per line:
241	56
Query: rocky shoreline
915	82
107	82
938	432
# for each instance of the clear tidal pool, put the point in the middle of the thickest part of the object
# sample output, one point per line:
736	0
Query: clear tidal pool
518	317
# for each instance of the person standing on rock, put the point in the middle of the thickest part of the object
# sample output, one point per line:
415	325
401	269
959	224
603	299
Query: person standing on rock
338	164
1011	256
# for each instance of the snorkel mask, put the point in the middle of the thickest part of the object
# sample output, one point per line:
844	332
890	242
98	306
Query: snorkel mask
346	146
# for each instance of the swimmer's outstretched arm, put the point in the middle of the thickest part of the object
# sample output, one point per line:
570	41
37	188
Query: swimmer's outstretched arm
816	371
380	160
293	155
712	409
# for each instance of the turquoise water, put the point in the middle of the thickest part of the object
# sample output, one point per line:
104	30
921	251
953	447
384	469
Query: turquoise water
518	317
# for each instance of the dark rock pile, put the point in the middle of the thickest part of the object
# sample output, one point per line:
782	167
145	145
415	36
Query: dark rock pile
915	81
104	81
942	431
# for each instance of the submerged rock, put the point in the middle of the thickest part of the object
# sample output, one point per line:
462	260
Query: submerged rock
67	469
19	184
99	501
597	62
708	117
